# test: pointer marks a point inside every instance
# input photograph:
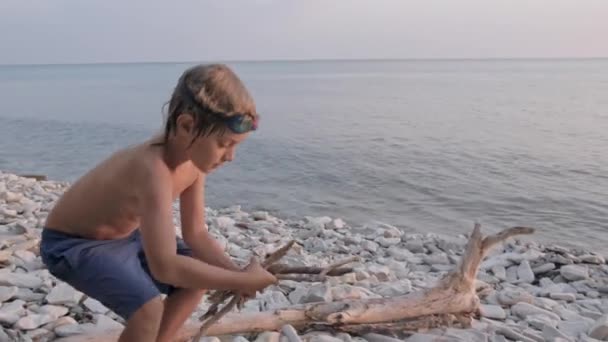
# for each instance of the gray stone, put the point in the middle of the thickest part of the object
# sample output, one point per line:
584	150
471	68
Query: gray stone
574	328
592	259
387	242
268	336
272	300
7	292
290	332
433	259
500	272
544	268
11	312
512	334
20	280
382	273
3	335
420	337
551	334
31	322
394	288
223	222
574	272
373	337
95	306
54	311
524	272
335	224
512	274
540	321
317	293
369	246
492	311
296	295
524	309
569	297
63	294
414	246
29	296
513	296
599	330
103	322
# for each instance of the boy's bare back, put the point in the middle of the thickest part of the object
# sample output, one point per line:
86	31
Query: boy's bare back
106	202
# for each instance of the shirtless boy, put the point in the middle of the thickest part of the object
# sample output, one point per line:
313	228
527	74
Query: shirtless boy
111	234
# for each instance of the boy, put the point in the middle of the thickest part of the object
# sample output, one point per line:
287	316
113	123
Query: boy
111	234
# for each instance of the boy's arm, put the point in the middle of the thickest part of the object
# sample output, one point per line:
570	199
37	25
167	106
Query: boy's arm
194	230
158	239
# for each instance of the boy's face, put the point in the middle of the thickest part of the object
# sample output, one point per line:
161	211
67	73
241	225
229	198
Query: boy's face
210	152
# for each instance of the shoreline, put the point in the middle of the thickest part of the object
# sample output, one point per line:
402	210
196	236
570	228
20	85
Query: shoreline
531	291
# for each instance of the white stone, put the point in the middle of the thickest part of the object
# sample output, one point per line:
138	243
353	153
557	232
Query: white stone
33	321
55	311
513	296
290	332
540	321
63	294
20	280
599	330
317	293
268	336
382	273
28	295
492	311
569	297
224	222
543	268
369	246
500	272
95	306
387	242
65	330
336	224
440	259
103	322
552	334
7	292
11	309
399	254
373	337
524	309
574	272
592	259
524	272
575	328
25	255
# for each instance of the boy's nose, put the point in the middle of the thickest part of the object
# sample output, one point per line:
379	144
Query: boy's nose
229	156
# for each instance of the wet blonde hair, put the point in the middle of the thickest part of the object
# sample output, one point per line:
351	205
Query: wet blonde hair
207	92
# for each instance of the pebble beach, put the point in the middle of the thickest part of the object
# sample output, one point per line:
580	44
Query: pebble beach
529	291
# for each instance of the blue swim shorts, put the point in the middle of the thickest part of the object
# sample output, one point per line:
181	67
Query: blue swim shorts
114	272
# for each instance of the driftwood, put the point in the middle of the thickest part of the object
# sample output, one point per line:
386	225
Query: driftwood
452	302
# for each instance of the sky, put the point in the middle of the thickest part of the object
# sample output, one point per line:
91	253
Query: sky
112	31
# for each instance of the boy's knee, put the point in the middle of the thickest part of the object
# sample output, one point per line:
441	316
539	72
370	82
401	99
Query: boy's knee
151	313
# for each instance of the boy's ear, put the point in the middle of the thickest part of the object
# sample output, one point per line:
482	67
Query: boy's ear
185	123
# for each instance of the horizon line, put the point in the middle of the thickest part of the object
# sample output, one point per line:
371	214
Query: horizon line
227	61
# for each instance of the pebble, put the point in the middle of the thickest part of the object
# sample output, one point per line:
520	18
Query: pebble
528	292
492	311
574	272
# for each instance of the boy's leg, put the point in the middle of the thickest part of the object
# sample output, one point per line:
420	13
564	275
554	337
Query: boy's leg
143	325
177	308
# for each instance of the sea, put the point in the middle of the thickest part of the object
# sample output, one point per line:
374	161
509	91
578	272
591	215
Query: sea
424	145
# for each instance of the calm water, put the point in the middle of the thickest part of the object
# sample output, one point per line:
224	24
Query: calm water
424	145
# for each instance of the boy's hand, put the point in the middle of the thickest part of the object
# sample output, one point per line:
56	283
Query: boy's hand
258	278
